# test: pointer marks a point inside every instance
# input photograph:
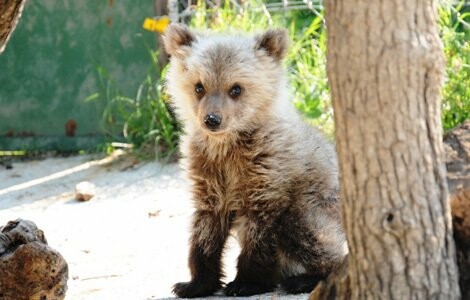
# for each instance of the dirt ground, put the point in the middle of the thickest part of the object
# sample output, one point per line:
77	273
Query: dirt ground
129	241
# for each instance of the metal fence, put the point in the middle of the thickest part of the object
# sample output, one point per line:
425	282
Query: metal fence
180	10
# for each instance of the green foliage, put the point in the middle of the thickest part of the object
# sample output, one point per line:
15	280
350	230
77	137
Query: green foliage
247	17
307	74
455	33
142	120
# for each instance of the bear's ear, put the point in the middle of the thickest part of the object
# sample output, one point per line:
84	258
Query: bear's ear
177	39
274	41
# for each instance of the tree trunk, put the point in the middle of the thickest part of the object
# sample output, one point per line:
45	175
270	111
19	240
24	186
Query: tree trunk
10	13
385	67
457	153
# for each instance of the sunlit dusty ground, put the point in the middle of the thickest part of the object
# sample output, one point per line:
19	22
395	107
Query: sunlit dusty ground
129	241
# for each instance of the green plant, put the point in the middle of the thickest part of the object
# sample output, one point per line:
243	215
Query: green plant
143	120
246	17
455	33
307	73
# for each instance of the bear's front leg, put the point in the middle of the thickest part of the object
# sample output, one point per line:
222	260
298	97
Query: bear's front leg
209	232
258	265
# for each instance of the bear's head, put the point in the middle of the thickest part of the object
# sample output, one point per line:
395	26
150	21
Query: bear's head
223	84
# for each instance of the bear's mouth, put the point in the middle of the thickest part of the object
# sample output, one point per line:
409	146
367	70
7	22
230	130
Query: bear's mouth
215	131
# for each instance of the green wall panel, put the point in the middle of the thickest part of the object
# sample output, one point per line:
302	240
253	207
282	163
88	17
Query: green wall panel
50	66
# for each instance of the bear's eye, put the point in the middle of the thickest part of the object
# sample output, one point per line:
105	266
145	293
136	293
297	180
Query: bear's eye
235	91
199	88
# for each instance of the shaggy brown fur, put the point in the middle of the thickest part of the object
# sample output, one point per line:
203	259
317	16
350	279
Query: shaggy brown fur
255	167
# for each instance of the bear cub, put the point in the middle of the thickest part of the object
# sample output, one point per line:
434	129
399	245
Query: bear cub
256	168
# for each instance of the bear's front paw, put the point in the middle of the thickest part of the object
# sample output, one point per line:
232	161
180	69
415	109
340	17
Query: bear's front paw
239	288
193	289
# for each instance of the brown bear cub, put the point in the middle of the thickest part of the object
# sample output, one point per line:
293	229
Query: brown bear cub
256	168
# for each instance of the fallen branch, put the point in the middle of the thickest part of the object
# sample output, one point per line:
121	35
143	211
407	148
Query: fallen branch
10	14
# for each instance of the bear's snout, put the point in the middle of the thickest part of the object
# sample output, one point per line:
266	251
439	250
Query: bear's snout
212	121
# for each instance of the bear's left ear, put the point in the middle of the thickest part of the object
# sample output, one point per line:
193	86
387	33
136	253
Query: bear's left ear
274	41
177	40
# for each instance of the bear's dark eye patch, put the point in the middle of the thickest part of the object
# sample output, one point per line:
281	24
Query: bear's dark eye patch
235	91
199	89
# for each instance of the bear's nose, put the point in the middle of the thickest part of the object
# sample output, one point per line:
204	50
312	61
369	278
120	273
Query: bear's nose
212	121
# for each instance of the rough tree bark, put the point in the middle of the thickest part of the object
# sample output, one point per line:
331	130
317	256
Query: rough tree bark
385	67
10	13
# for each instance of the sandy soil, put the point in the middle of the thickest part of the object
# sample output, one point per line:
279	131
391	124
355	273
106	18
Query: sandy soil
129	241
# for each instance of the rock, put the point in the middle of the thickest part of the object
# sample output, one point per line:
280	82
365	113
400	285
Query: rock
30	269
84	191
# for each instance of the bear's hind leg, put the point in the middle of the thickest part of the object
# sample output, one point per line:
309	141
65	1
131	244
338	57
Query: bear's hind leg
311	249
258	264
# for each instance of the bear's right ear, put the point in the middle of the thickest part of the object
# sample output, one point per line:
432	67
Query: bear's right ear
177	39
274	42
